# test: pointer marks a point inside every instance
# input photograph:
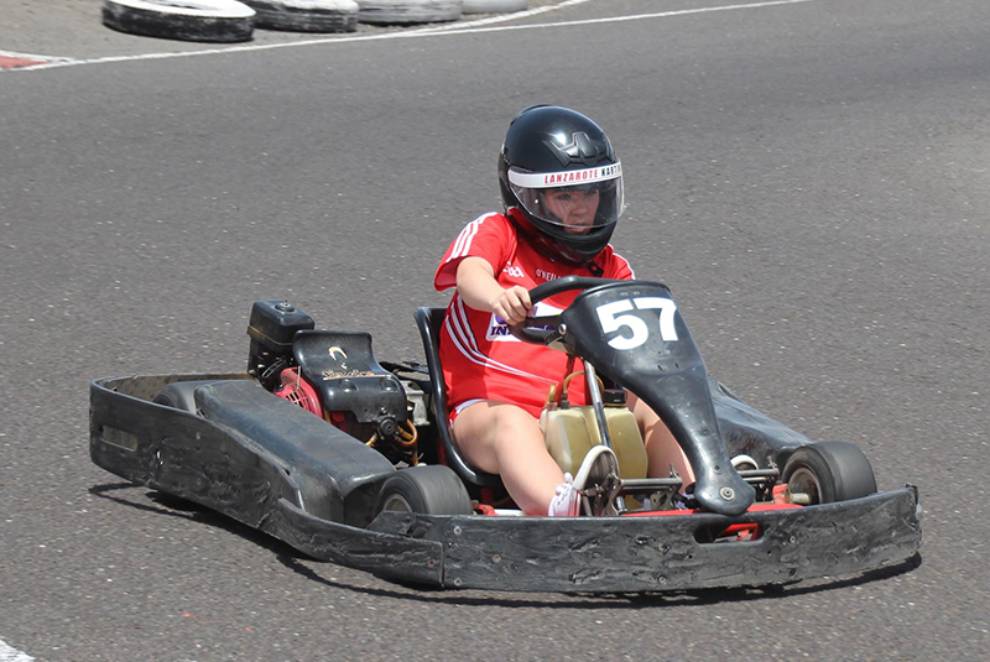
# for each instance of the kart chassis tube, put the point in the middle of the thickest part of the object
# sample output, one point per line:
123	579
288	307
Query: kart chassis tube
196	459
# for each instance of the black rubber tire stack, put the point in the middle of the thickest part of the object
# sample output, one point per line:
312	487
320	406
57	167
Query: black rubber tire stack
494	6
404	12
187	20
306	15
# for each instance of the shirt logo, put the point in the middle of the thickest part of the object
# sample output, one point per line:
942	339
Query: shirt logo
498	330
514	271
546	275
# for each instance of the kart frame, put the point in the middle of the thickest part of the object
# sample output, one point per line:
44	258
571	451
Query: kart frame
233	446
250	480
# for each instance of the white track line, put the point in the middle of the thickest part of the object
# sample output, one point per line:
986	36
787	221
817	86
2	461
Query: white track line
444	31
8	654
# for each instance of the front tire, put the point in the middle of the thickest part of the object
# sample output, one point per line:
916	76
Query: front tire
428	490
829	471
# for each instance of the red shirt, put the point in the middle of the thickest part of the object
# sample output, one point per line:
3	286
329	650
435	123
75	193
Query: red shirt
480	358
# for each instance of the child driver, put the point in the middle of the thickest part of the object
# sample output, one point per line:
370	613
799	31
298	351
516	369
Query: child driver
562	190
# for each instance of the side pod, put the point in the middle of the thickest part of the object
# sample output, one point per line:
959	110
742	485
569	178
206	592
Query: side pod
242	452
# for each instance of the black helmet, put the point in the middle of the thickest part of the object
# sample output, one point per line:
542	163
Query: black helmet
558	170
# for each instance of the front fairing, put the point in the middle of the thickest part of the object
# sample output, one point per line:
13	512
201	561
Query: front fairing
634	334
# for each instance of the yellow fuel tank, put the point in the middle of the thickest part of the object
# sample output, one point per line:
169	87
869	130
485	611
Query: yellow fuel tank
570	432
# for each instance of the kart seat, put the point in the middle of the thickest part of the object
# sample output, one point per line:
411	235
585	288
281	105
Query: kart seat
428	320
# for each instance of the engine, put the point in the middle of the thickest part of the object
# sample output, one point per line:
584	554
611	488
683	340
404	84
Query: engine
333	375
272	327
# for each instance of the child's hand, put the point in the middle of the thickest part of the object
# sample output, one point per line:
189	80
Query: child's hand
512	304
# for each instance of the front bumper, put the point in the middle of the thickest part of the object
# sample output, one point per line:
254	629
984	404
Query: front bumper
617	554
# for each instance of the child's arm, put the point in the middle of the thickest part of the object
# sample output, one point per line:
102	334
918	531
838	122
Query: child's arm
477	286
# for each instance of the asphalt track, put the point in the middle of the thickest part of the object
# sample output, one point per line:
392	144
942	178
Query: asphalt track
811	179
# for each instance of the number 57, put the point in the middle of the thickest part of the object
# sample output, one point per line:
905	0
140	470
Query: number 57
611	317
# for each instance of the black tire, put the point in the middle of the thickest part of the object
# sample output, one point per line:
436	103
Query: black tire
188	20
494	6
405	12
428	490
181	395
305	15
829	471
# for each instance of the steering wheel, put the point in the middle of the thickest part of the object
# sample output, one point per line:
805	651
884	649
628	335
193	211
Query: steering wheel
544	329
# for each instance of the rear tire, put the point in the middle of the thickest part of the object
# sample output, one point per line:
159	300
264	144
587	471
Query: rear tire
427	490
180	395
829	471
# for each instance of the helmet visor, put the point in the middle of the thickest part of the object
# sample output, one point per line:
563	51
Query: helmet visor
576	201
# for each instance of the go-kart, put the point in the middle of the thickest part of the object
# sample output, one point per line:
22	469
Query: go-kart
351	460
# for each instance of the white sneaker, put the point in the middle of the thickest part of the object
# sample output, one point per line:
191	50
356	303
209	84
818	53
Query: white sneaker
598	481
566	499
597	478
596	466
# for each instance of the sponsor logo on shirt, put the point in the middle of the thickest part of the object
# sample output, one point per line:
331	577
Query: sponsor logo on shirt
546	275
514	271
498	330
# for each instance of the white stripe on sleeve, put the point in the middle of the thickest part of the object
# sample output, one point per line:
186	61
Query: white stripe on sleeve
464	239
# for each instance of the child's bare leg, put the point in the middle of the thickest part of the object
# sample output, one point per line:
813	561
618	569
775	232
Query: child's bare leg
662	450
505	439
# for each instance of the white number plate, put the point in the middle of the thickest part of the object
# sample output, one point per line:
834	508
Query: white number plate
634	331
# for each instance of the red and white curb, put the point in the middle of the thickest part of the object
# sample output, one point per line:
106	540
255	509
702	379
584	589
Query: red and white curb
13	60
8	654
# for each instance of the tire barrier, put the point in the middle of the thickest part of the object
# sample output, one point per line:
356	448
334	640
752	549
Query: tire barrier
494	6
306	15
188	20
398	12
